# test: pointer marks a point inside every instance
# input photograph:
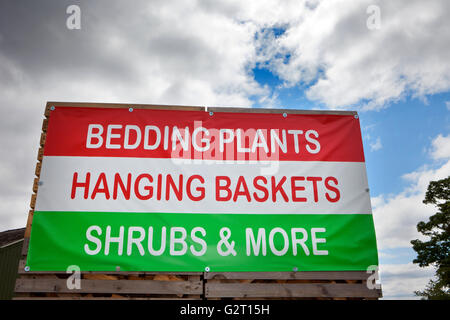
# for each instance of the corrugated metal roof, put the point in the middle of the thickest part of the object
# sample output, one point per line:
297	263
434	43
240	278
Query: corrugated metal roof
9	236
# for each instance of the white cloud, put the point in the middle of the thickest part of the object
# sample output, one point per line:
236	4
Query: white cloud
441	147
356	66
399	281
396	216
447	104
375	146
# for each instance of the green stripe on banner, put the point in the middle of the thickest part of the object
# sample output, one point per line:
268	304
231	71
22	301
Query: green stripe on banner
323	242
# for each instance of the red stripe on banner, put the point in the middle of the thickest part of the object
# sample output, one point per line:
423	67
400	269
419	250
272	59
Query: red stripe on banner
110	132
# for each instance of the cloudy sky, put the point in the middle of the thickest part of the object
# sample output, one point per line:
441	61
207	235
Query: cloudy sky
389	60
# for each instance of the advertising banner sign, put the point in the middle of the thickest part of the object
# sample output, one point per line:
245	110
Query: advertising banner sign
171	190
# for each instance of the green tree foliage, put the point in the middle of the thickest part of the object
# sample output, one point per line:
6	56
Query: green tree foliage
436	251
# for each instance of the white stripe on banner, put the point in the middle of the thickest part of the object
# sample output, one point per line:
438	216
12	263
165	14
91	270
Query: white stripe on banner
319	187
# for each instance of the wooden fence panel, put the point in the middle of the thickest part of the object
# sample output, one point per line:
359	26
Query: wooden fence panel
111	286
288	290
309	285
